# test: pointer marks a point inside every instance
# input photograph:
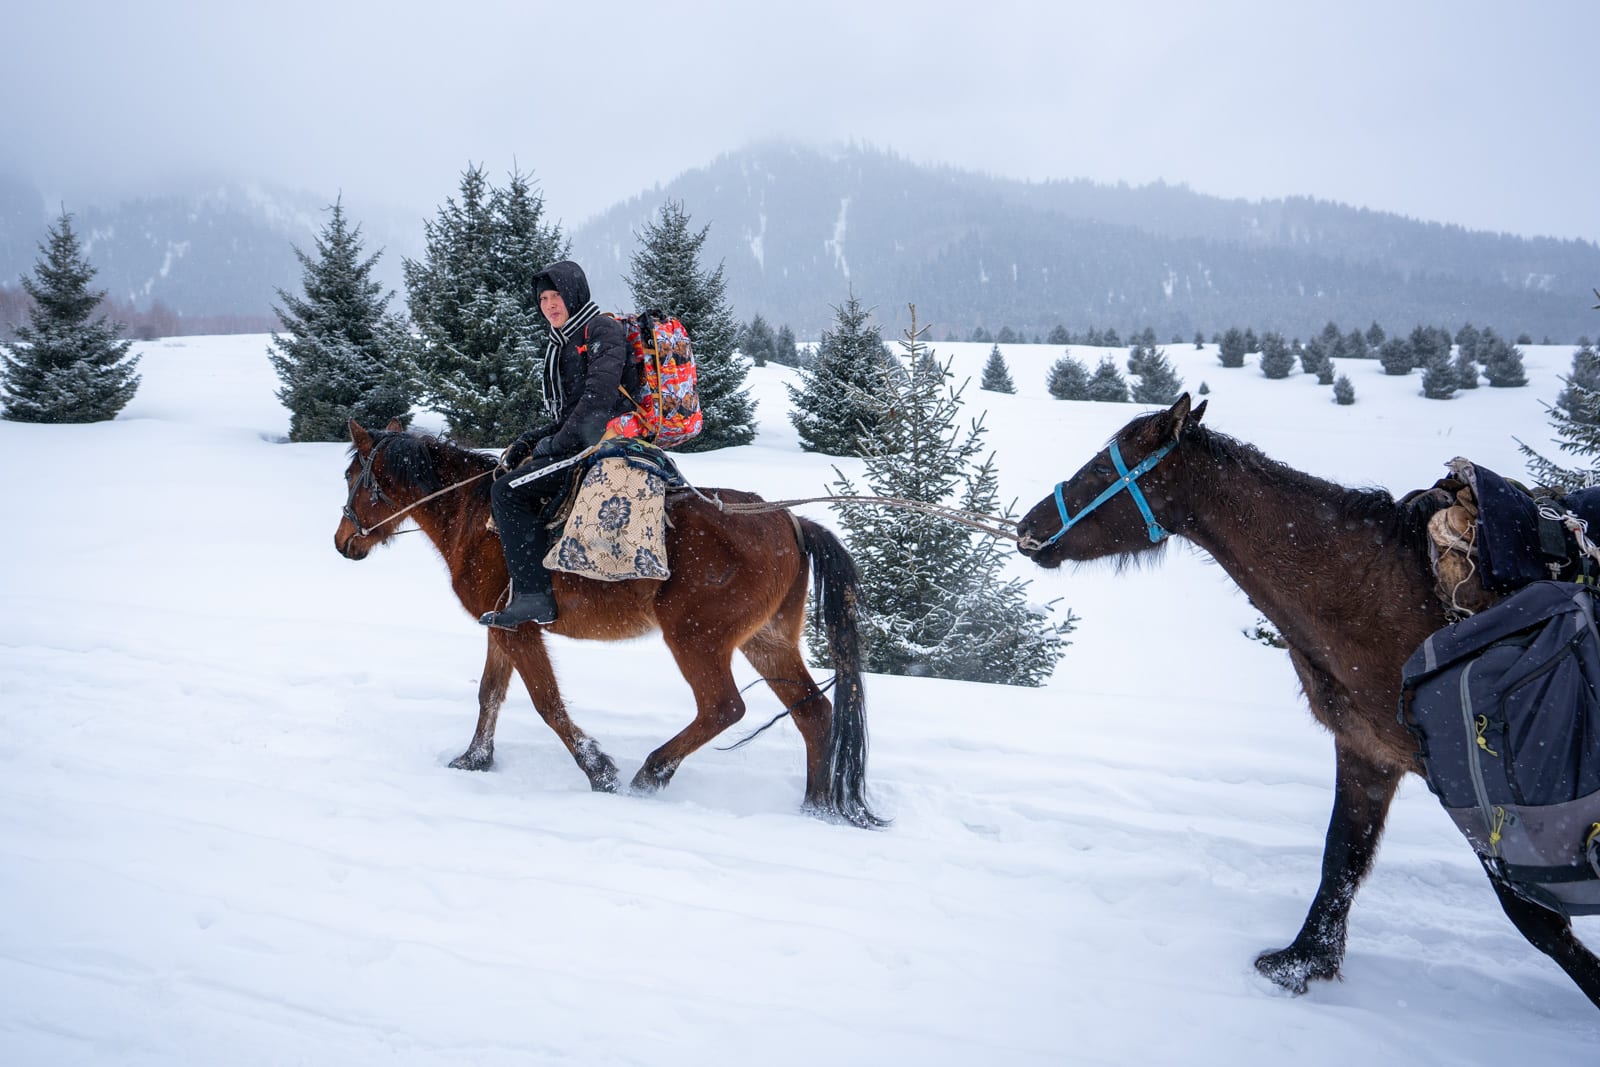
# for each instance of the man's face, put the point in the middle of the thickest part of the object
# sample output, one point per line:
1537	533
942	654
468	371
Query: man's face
553	307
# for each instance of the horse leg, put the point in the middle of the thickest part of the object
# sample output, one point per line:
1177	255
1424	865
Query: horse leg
491	694
532	661
1551	933
718	706
776	657
1362	793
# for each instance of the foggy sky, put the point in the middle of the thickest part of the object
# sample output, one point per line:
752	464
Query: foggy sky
1465	111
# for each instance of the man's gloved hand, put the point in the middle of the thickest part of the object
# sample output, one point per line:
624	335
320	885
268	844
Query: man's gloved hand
545	448
516	454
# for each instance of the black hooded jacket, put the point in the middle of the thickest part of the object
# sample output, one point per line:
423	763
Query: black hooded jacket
587	360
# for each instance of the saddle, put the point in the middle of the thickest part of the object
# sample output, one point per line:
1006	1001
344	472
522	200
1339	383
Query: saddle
1490	536
614	520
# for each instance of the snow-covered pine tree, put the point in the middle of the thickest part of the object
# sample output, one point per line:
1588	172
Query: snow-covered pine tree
1439	376
843	394
665	273
1158	382
1575	417
478	356
784	350
63	367
1107	384
337	355
936	600
757	342
1343	392
1068	379
1276	359
996	375
1231	351
1502	362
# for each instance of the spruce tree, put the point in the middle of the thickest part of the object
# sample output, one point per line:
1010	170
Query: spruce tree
337	355
666	273
844	394
1466	369
1395	355
1008	336
1439	377
1375	336
63	367
1575	417
1355	346
1158	382
1276	360
1060	335
1231	351
936	598
1325	373
757	342
1502	362
1313	355
996	375
1068	379
1107	384
784	350
478	353
1343	392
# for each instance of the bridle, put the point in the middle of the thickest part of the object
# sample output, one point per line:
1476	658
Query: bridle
1129	480
365	479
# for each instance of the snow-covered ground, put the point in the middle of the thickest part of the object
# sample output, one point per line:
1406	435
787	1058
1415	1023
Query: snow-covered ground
228	834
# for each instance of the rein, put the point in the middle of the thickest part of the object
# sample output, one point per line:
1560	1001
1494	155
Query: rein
1129	480
366	479
993	525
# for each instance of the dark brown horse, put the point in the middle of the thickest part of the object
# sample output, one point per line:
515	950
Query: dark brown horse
1344	576
738	582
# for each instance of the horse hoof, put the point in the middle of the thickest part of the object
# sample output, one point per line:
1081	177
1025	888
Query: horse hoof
645	783
606	780
473	759
1294	968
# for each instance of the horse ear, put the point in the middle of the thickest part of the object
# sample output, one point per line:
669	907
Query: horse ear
395	426
1199	412
1178	415
359	436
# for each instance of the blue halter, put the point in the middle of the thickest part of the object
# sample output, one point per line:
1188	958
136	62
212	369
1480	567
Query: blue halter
1128	481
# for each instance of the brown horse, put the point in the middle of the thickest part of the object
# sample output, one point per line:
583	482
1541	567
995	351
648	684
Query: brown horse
738	582
1344	576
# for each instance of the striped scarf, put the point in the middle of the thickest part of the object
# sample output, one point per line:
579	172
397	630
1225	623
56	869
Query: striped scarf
555	397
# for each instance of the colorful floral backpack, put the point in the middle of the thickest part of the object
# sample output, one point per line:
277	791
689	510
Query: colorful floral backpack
667	410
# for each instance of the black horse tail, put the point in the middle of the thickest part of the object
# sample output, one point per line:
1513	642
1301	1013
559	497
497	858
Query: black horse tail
838	588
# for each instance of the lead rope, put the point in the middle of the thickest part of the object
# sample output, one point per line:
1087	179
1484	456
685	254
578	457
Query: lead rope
424	500
993	525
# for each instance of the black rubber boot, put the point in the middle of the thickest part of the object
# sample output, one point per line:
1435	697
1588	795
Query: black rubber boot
532	600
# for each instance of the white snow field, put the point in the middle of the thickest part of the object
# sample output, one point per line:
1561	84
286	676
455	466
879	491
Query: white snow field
228	834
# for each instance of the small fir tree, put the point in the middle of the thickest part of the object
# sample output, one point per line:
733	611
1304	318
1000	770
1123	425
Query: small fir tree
1325	374
1199	339
1375	336
784	349
1343	392
1068	379
1575	417
1502	362
1232	350
757	342
1466	368
1059	336
1276	359
1439	377
337	355
1204	390
1158	382
1107	384
666	274
937	601
66	364
1356	346
1395	355
477	354
1313	355
844	394
996	375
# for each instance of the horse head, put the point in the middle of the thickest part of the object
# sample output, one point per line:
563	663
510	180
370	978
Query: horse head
363	525
1123	502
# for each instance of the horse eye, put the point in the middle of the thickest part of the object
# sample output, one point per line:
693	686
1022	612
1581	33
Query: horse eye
1102	470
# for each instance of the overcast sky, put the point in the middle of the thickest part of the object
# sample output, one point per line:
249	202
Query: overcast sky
1485	114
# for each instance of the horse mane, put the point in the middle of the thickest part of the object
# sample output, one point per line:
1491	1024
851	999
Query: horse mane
427	463
1399	523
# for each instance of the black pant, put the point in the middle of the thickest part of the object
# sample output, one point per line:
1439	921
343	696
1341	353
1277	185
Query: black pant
522	515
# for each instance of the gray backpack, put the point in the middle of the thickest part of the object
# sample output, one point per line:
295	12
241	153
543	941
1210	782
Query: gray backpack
1505	706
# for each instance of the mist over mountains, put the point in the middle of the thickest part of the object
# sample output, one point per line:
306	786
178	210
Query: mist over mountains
797	230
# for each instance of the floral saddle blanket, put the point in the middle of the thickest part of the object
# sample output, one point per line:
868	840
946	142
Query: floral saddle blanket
616	519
